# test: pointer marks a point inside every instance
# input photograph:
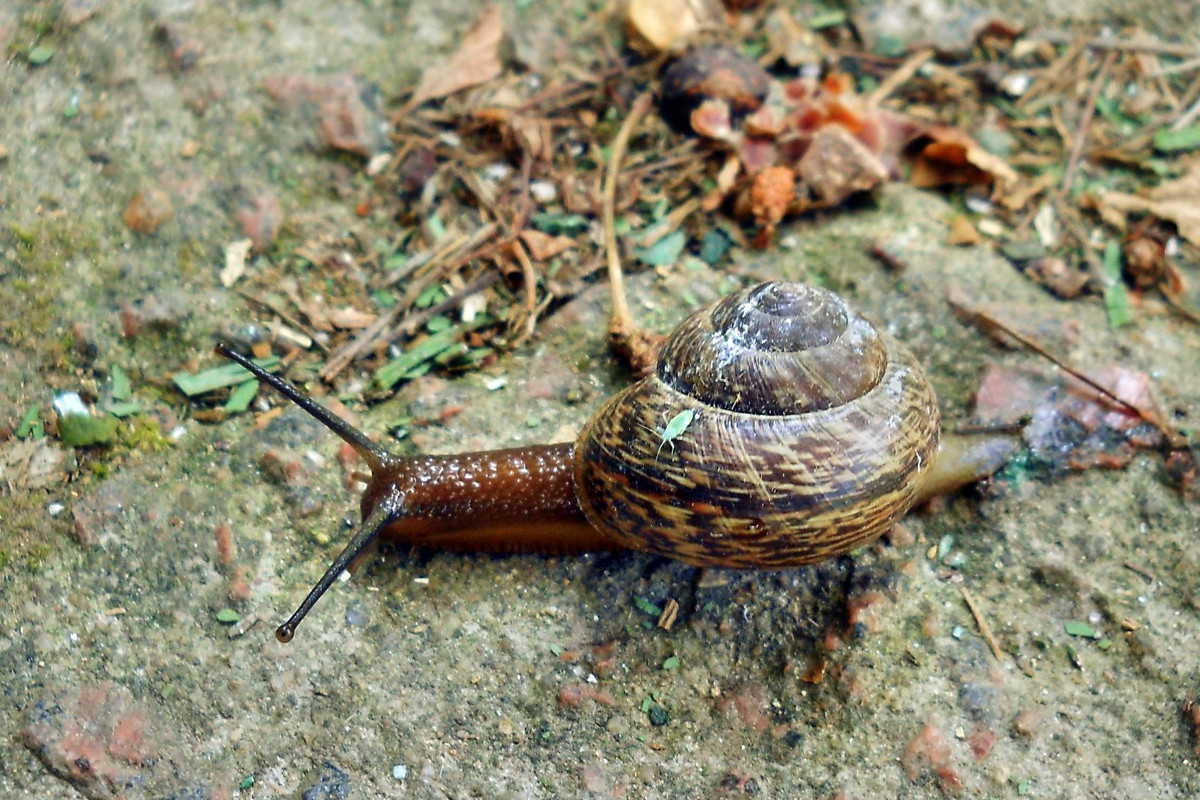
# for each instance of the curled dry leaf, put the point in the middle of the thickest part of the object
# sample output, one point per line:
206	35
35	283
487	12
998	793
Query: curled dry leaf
476	61
711	120
1176	201
543	246
1145	261
948	155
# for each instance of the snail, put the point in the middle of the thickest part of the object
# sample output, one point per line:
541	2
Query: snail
779	428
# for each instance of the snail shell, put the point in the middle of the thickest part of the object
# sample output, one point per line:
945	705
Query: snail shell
810	432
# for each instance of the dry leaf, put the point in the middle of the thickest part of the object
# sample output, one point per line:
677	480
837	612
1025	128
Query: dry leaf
1177	201
667	25
543	246
963	233
236	254
476	61
951	156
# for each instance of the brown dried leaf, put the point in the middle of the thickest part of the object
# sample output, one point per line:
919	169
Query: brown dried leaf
476	61
1177	201
963	233
543	246
951	156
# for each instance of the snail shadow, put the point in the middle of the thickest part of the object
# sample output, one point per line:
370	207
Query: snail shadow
773	619
742	627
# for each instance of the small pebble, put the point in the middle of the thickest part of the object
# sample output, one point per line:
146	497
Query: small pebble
543	191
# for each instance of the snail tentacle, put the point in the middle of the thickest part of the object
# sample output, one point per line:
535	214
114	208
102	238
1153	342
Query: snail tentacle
363	537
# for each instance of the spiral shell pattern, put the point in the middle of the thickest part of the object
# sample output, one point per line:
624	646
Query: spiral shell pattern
809	432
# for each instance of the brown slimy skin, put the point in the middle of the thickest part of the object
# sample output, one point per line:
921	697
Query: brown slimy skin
810	434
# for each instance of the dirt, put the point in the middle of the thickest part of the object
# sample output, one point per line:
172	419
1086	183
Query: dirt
136	647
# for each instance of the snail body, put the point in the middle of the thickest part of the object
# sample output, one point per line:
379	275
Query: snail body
797	432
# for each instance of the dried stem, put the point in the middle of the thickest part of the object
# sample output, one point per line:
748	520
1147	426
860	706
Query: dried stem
1121	45
984	629
900	77
622	332
367	339
1089	110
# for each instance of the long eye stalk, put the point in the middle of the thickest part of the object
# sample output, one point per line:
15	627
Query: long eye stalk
366	533
375	456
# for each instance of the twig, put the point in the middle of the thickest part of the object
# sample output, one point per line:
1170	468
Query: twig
685	153
542	100
370	335
1187	117
622	332
1085	120
530	278
1140	570
283	315
898	78
410	324
669	223
1070	220
1119	45
471	240
1177	305
984	629
1174	69
1052	74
